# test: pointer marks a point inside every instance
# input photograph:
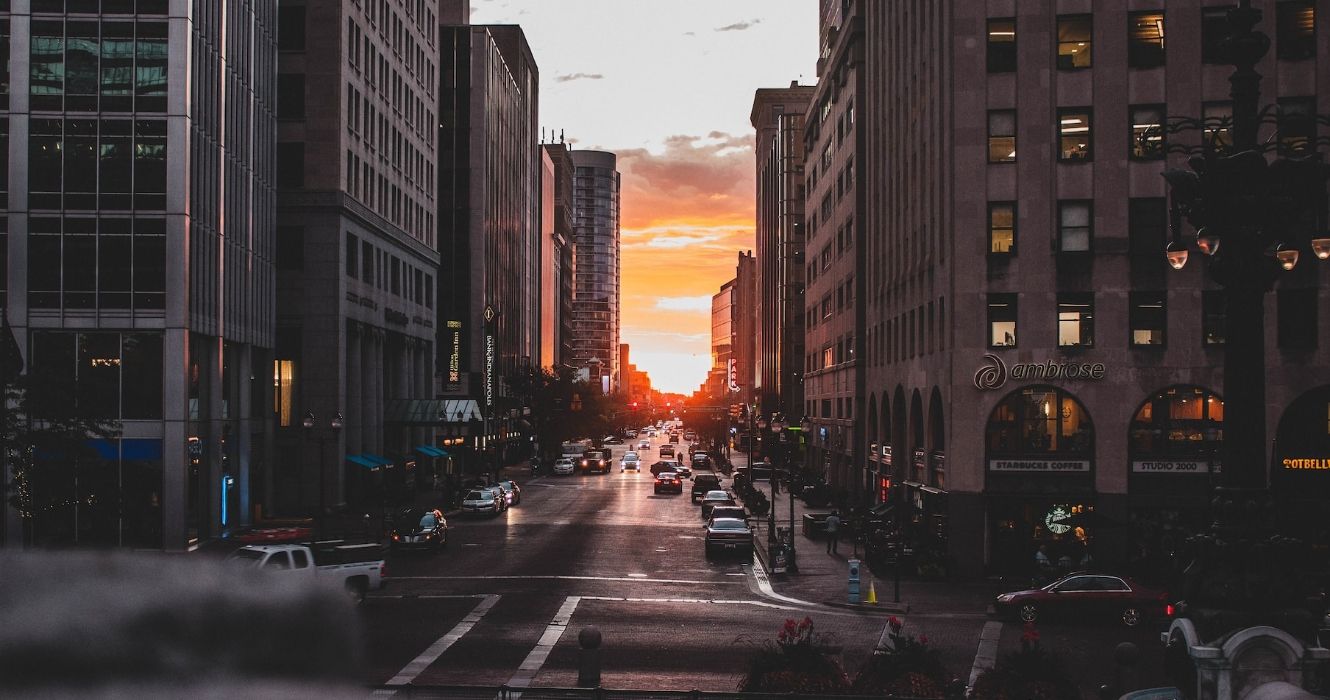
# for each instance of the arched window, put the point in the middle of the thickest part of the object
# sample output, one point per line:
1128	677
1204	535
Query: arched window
1179	422
1040	420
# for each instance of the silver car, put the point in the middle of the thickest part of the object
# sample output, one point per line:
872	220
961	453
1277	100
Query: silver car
486	500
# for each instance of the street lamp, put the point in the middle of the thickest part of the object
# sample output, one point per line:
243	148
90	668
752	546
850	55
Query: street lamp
1262	210
777	425
335	428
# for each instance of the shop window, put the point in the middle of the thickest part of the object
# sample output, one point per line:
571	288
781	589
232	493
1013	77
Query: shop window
1296	313
1074	226
1147	226
1148	319
1076	319
283	384
1002	314
1002	45
1040	419
1218	125
1145	39
1074	42
1147	132
1185	422
1002	136
1075	138
1297	124
1213	317
1214	30
1295	30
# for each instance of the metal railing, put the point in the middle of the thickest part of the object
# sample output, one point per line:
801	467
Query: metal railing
503	692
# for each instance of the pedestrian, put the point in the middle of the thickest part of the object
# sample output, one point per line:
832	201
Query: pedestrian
1041	560
833	532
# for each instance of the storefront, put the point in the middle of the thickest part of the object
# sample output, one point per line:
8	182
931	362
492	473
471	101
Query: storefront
1300	475
1039	481
1173	446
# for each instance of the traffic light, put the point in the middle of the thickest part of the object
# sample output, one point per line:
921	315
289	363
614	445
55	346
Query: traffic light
634	405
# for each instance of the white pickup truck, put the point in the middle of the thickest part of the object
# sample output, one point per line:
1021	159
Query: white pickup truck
359	567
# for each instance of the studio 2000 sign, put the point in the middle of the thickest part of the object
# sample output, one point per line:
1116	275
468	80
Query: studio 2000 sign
994	372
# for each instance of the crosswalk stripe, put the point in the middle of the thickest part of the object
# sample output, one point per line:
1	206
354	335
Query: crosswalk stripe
418	665
536	659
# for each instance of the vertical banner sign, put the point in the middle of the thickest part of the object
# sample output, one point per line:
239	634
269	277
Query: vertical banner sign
489	357
734	375
454	340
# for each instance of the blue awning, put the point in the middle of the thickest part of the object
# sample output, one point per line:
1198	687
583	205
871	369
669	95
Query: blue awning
430	451
360	460
377	460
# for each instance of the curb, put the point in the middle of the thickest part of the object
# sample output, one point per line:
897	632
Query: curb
880	608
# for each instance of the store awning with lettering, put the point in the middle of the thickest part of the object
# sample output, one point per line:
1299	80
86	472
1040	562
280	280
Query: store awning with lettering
362	461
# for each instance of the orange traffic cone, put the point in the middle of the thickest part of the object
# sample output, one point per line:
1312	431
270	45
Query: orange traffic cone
872	594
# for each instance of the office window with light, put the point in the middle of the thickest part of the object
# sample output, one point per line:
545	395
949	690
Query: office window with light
1074	42
1002	136
1075	137
1145	39
1002	45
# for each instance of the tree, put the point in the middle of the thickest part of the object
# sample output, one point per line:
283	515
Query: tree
562	408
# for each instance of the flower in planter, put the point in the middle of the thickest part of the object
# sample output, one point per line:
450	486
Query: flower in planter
801	660
906	667
1031	673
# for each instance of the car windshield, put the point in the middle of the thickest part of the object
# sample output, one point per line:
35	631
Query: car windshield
245	557
668	476
717	496
428	520
728	524
476	496
506	485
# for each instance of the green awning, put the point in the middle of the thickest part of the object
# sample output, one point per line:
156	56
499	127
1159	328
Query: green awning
362	461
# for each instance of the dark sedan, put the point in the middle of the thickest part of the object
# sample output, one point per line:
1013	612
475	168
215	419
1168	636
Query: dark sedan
728	535
1084	595
668	482
419	528
713	499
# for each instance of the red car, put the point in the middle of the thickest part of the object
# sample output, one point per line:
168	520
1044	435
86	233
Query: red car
1084	595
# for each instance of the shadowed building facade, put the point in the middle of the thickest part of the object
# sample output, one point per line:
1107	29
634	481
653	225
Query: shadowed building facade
596	300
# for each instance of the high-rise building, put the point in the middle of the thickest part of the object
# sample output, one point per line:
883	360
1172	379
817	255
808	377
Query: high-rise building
778	117
1037	375
558	257
745	324
596	301
722	341
356	244
834	144
138	234
489	221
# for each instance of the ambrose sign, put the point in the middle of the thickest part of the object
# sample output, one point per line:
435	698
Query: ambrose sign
993	373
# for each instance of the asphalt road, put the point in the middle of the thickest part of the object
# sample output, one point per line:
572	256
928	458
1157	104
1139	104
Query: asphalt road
504	603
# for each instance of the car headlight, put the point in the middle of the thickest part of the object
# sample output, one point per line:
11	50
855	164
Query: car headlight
1006	598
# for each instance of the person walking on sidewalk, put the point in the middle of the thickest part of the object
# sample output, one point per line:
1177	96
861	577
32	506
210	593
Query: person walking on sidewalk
833	532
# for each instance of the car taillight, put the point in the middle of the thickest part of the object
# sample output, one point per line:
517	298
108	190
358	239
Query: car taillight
1168	610
383	570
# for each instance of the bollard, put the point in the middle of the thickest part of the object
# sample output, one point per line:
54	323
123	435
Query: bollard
588	659
1126	655
854	580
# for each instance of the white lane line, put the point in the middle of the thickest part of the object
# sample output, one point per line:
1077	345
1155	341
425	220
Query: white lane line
563	578
417	666
764	586
536	659
986	655
690	601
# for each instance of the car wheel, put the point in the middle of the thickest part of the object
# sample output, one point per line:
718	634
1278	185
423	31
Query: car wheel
1029	612
355	588
1131	617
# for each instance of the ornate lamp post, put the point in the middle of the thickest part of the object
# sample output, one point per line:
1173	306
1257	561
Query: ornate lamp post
777	428
1251	214
335	429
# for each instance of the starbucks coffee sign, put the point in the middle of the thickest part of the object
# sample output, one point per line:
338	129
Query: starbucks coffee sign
994	372
1038	465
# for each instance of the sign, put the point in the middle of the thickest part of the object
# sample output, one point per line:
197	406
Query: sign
734	375
1181	466
1038	465
395	317
1056	520
455	352
489	358
994	373
1306	464
886	454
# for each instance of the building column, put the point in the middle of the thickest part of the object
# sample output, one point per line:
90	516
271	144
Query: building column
176	352
374	399
244	440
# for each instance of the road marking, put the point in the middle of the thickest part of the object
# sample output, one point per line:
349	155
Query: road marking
764	585
563	578
637	575
417	666
690	601
986	655
536	659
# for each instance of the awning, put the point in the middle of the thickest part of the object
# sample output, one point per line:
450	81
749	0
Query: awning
424	412
360	460
377	460
430	451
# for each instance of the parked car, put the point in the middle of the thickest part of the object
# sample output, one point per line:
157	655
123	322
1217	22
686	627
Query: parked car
702	483
713	499
419	528
668	482
630	461
611	440
701	460
1084	595
359	567
484	500
728	535
512	493
565	466
738	512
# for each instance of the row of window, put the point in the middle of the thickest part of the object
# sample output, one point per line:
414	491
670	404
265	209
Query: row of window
91	66
914	332
365	262
843	298
832	354
815	408
1146	123
1146	227
382	137
1147	319
1295	37
108	164
93	7
96	263
833	250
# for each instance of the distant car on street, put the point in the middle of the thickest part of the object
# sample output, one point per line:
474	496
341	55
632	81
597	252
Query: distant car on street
1083	596
674	437
486	500
668	482
702	483
612	440
630	462
713	499
701	460
643	446
565	466
419	528
666	450
729	536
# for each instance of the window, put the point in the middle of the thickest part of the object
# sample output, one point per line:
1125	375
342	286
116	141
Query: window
1218	118
1040	419
290	247
429	291
1297	124
1213	317
1001	320
1002	45
1147	225
291	27
1074	50
352	255
283	395
1076	319
1295	30
291	95
1147	135
1145	40
366	262
1002	136
1075	139
1214	30
1148	318
1074	227
290	165
1002	228
1296	313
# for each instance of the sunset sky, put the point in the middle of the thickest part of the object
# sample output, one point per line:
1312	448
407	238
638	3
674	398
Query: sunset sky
668	86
